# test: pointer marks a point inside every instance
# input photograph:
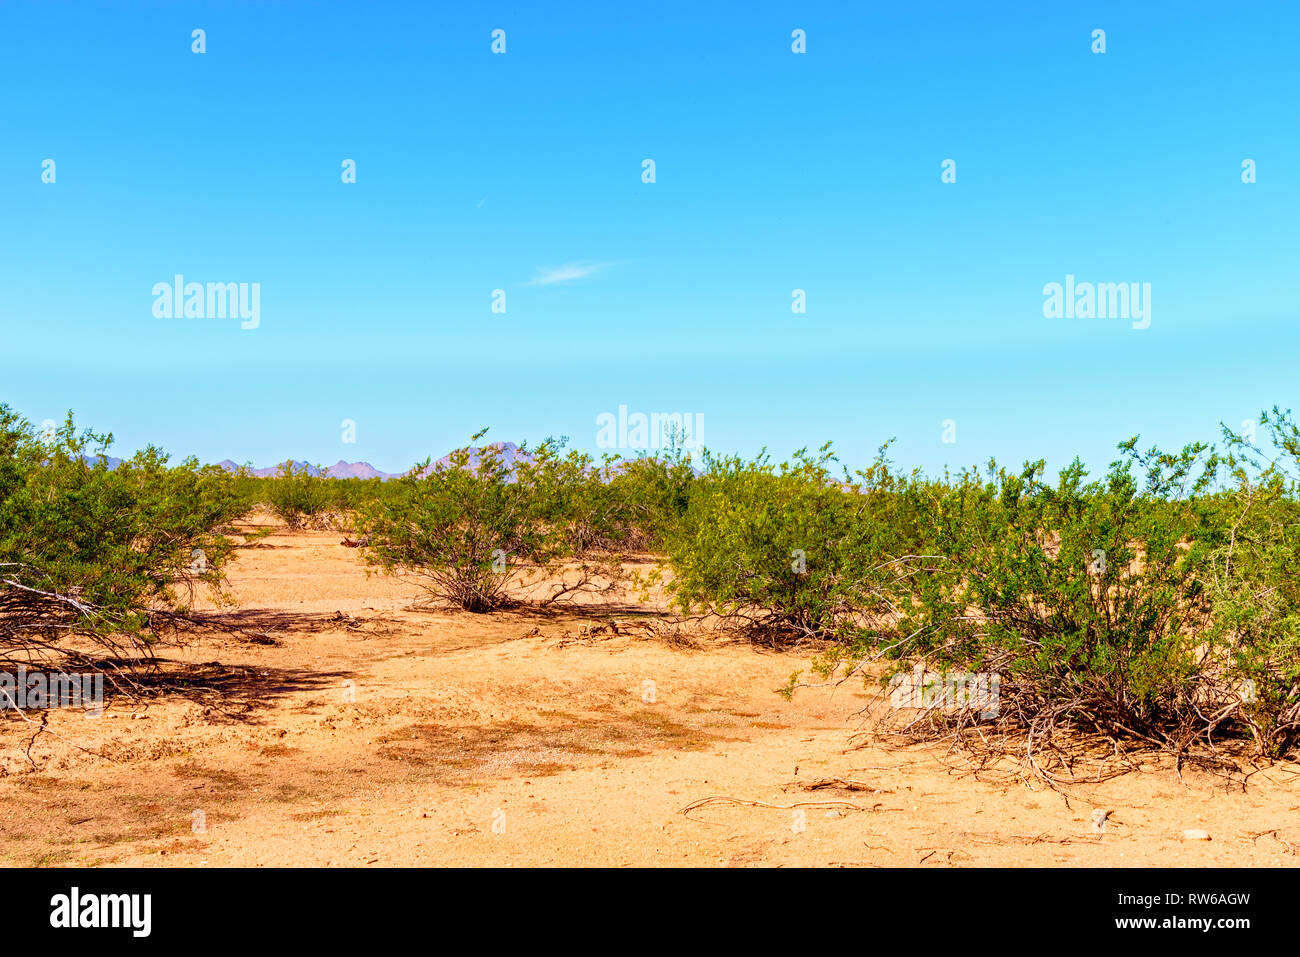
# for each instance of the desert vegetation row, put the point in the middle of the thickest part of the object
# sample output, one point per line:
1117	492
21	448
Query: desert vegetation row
1152	607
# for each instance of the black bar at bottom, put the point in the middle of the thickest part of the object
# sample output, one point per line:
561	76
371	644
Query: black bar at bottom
329	908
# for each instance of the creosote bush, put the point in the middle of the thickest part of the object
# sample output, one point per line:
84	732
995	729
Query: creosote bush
1084	597
1252	583
1150	606
302	497
470	529
101	553
784	552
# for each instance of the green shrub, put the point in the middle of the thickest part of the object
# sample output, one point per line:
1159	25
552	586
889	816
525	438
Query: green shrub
785	552
474	528
302	497
1083	596
653	493
1251	578
461	529
572	499
101	552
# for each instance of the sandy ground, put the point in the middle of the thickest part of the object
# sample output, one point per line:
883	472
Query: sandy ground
370	733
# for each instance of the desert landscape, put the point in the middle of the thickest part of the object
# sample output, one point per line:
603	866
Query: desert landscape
553	445
343	725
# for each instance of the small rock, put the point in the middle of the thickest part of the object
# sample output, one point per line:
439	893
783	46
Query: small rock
1196	834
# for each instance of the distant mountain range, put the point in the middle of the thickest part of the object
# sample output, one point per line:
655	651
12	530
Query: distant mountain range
340	469
510	453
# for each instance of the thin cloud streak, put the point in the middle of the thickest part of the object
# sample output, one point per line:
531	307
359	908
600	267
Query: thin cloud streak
569	272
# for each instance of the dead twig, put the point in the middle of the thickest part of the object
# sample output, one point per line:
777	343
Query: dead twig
725	799
839	784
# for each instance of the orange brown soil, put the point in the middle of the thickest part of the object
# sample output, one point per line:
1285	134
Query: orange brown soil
523	738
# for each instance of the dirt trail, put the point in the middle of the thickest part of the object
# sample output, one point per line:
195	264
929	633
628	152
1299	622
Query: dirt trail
373	734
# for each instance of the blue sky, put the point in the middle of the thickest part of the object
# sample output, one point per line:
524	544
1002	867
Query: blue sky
774	171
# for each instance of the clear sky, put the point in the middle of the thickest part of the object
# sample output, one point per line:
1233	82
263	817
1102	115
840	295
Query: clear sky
775	171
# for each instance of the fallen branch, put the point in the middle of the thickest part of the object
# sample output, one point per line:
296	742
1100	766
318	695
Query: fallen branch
724	799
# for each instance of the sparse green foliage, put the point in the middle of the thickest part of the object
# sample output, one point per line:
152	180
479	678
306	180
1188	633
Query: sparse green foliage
1251	581
470	528
98	551
1083	596
791	552
301	496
